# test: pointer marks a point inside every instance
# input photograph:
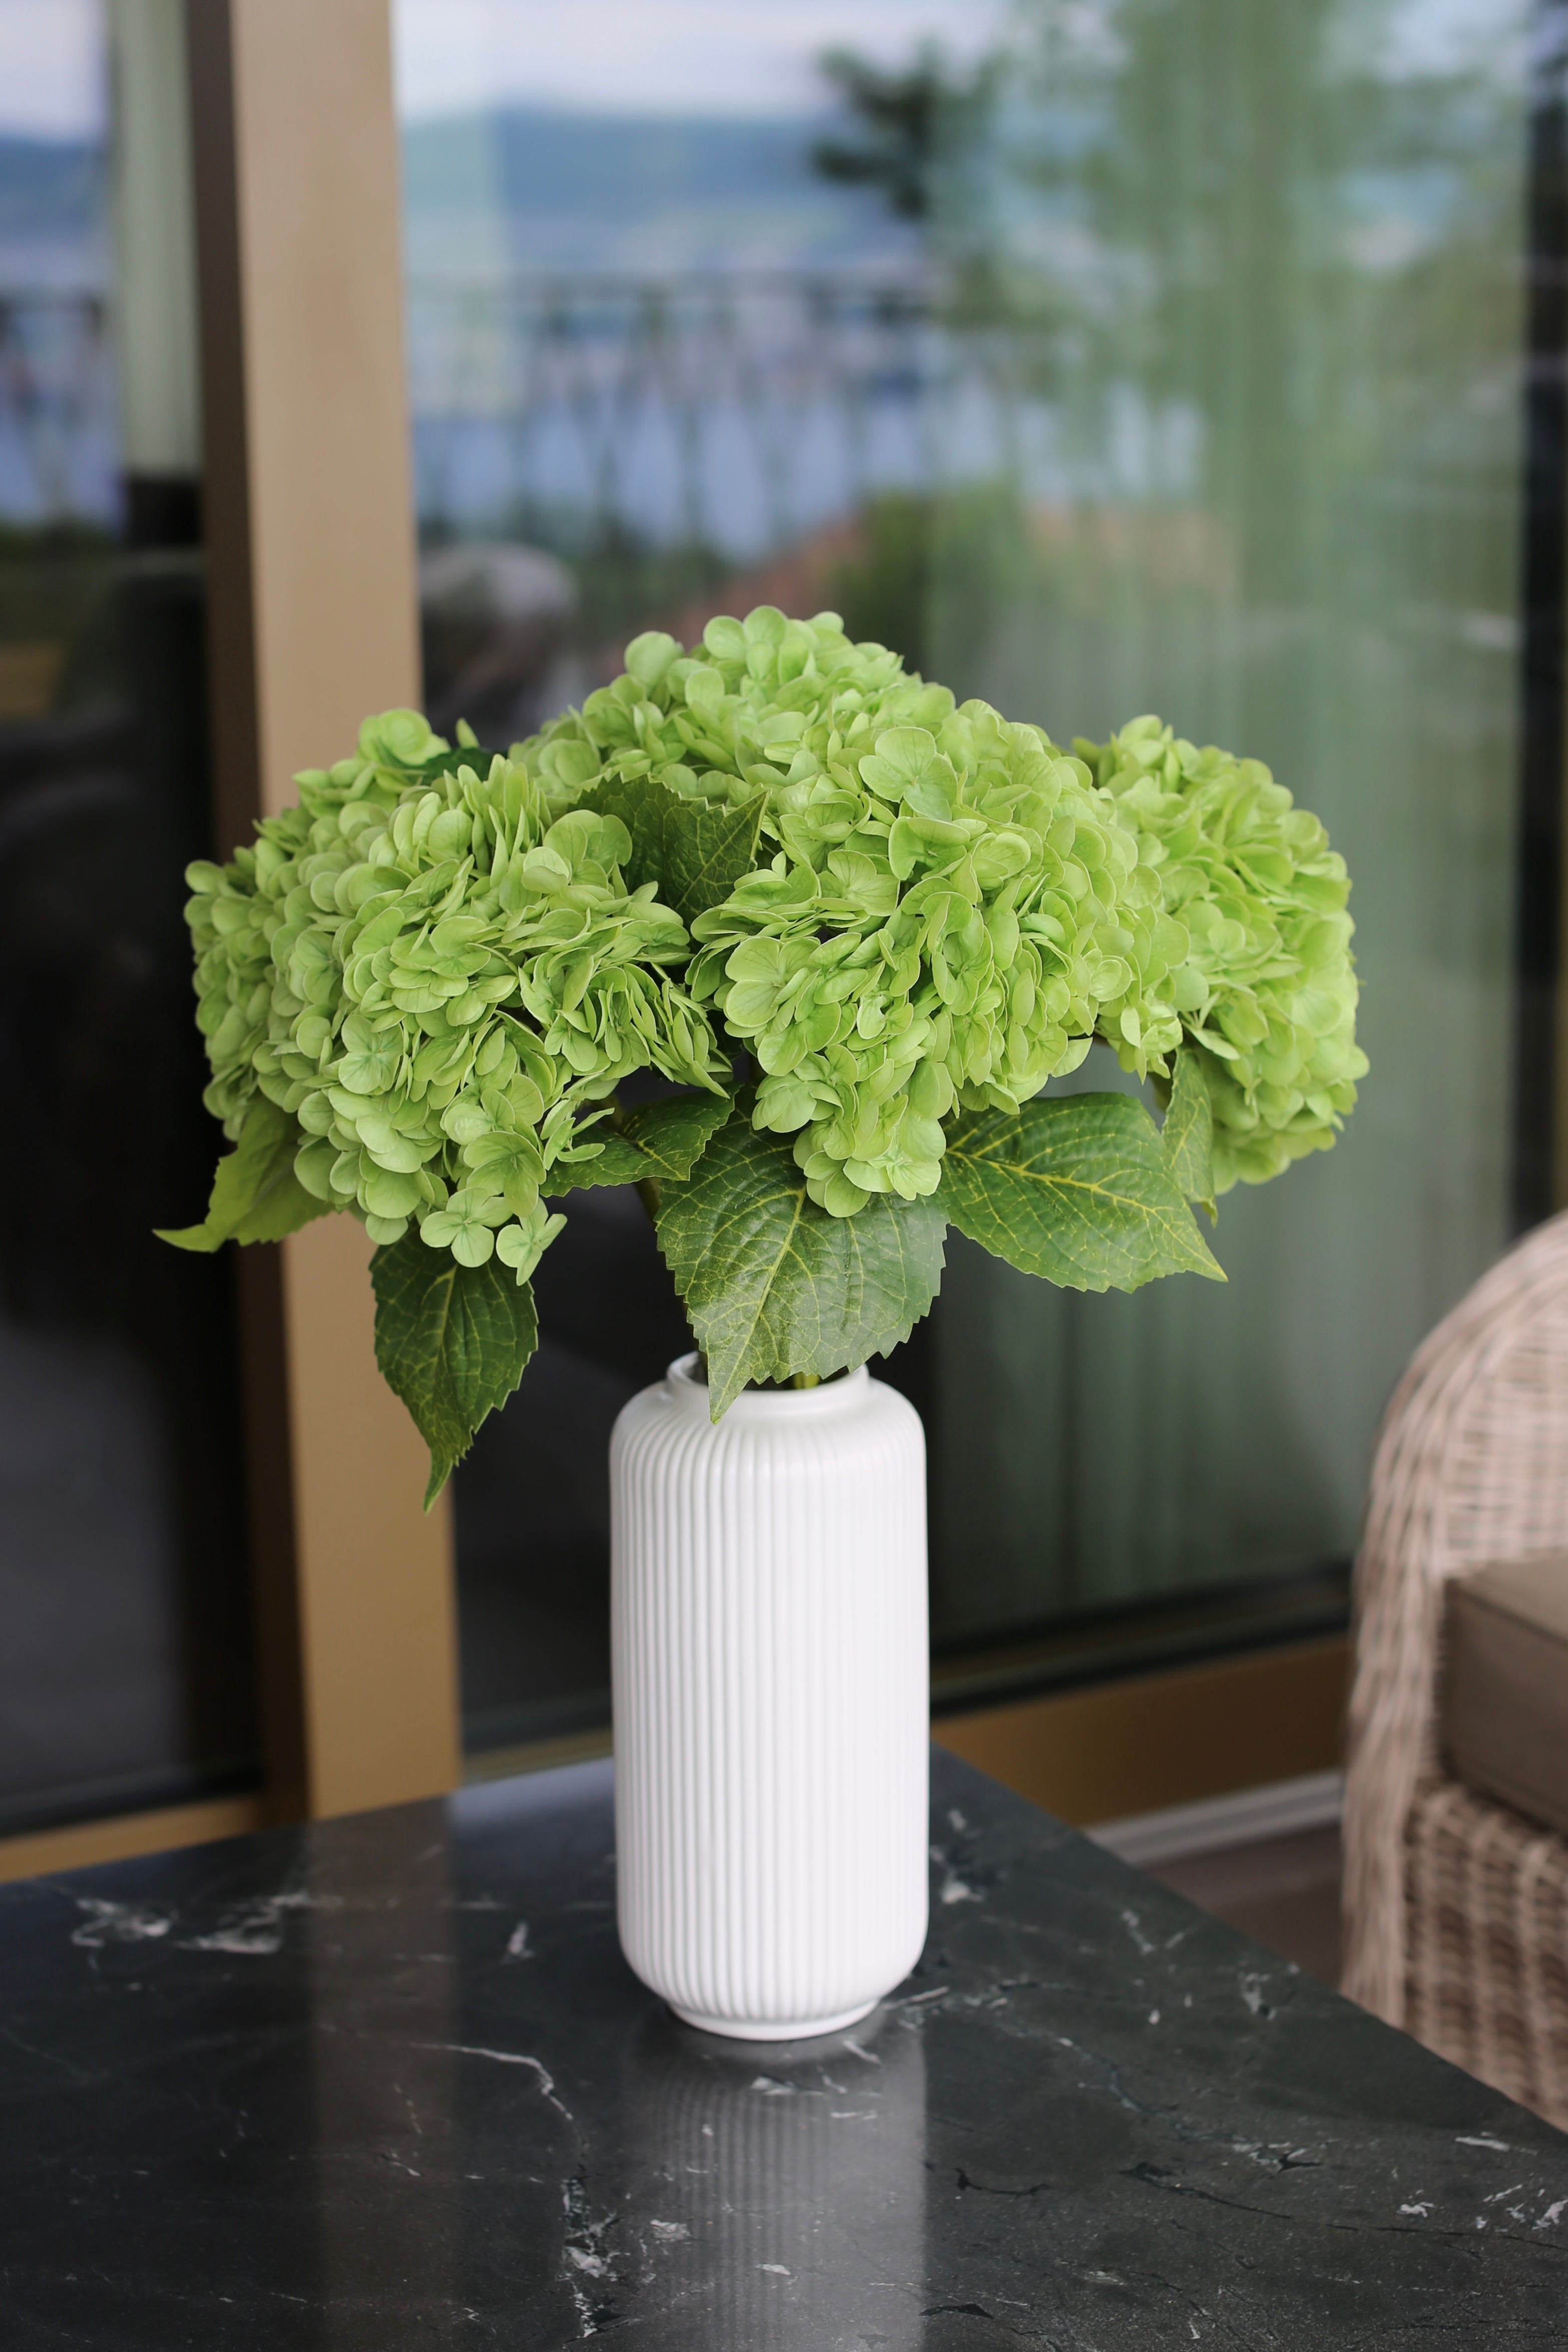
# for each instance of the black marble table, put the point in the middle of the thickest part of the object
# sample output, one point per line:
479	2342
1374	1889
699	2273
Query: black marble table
388	2083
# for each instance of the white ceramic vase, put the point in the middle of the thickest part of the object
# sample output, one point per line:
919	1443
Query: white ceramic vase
771	1687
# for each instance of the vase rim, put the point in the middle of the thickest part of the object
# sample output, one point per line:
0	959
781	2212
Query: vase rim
689	1391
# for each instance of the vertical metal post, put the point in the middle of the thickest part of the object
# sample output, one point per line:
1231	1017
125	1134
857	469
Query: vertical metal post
1540	1093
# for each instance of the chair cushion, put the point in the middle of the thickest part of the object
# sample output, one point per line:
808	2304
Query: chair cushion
1505	1698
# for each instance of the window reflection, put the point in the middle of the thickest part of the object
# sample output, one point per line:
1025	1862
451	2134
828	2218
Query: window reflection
125	1668
1274	490
1102	357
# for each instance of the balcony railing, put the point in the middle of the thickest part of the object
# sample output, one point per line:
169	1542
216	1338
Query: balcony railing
736	410
58	432
733	411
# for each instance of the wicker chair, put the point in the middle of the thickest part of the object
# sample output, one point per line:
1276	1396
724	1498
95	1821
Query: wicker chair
1456	1908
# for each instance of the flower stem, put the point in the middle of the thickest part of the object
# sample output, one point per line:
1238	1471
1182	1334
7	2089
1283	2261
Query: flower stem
648	1186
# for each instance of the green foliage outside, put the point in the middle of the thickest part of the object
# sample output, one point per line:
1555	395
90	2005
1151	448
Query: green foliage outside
861	927
950	568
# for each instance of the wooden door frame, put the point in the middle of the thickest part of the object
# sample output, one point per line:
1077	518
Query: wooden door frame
313	621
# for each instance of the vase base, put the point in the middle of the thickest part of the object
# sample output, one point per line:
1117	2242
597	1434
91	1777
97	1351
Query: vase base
733	2029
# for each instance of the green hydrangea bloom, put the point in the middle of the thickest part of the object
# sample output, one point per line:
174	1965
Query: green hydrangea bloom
1266	988
950	910
421	986
437	974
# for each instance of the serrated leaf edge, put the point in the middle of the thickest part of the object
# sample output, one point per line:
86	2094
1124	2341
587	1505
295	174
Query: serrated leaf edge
1207	1266
441	1470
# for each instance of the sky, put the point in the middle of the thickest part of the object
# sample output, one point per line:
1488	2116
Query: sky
52	67
735	57
614	57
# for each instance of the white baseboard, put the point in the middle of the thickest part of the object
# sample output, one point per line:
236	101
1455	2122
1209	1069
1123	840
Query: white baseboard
1313	1803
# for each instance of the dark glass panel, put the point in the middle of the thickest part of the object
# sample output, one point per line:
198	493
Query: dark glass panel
125	1666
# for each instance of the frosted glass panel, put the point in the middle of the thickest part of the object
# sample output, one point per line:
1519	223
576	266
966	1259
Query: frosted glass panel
1260	272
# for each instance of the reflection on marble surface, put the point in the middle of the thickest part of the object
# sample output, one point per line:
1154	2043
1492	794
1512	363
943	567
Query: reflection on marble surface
388	2083
773	2169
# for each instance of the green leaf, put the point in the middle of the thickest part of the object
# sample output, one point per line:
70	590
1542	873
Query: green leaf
696	851
255	1196
773	1283
451	1341
1074	1188
1187	1138
662	1140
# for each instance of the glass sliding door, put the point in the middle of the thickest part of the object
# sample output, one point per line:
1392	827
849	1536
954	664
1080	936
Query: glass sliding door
1102	358
125	1652
1255	275
666	358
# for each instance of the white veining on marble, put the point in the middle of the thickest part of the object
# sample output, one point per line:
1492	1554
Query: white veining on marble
117	1923
50	2057
953	1888
518	1946
255	1930
506	2058
583	2256
918	2008
253	1939
1132	1923
1273	2156
1251	1984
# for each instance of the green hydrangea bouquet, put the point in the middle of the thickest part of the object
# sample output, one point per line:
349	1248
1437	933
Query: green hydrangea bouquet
858	927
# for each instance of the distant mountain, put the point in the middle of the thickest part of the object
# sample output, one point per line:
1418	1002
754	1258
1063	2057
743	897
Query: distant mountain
538	190
529	189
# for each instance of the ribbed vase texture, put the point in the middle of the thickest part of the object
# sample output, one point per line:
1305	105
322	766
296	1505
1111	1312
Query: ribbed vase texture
769	1628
